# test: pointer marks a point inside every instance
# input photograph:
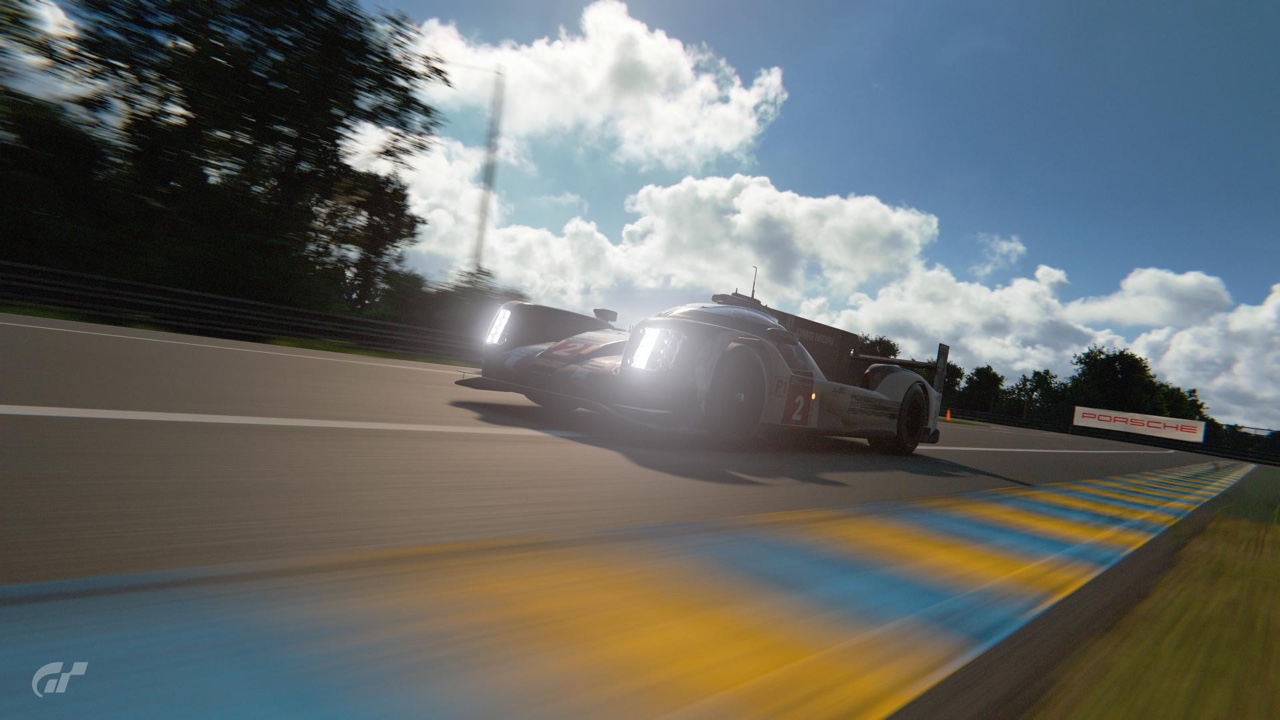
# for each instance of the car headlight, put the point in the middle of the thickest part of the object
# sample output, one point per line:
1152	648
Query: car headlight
498	326
657	348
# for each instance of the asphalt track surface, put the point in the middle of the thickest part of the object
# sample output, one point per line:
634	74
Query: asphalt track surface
129	450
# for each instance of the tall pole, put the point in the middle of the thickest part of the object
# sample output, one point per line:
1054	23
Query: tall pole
754	271
490	164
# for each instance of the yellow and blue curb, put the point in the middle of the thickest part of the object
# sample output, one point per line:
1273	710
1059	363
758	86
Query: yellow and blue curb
821	613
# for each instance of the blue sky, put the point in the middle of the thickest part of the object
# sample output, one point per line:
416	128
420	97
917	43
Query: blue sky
1018	179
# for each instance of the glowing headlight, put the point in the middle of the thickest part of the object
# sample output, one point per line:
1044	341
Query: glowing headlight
498	326
657	348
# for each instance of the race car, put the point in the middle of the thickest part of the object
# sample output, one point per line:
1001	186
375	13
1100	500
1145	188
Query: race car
732	368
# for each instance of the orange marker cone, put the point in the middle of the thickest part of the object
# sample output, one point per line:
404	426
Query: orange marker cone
948	413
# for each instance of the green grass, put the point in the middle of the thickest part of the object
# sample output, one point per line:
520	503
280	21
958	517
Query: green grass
42	313
302	344
1205	643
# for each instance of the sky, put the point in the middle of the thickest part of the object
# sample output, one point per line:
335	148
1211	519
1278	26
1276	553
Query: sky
1020	180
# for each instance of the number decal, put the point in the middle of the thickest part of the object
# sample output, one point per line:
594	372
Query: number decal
799	394
569	348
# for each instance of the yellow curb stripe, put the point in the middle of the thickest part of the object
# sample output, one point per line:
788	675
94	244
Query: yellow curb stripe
914	550
1099	492
1029	521
664	635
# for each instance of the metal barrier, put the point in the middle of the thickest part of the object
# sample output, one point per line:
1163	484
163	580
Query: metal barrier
1208	447
116	301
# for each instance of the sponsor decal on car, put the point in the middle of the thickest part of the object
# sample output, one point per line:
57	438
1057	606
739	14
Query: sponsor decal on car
871	407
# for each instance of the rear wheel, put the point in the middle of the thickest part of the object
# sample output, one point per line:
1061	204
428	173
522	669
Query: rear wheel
736	397
912	419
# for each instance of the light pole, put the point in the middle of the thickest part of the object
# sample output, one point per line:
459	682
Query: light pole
491	157
490	162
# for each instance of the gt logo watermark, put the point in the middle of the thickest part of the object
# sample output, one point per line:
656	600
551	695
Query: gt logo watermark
58	684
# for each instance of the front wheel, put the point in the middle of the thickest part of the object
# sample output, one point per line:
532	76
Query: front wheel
735	400
912	418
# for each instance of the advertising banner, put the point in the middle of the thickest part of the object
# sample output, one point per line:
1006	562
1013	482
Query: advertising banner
1172	428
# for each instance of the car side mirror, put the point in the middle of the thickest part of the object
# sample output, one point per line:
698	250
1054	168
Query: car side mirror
606	315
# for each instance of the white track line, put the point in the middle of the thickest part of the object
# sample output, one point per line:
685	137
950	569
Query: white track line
236	349
94	414
1020	450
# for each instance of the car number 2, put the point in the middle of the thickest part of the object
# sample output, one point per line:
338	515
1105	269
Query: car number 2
799	396
569	348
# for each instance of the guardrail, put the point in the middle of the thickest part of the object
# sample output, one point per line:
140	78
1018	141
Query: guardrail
1208	447
116	301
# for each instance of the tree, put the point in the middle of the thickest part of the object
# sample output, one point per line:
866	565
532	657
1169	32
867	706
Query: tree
878	346
231	119
1038	396
1115	380
982	391
361	230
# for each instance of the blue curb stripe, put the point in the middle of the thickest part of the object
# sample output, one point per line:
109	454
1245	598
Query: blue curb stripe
1117	503
854	587
1097	519
1021	542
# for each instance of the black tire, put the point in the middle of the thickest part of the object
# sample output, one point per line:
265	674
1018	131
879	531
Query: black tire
736	398
913	416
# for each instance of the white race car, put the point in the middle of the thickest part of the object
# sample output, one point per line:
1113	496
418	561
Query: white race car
731	367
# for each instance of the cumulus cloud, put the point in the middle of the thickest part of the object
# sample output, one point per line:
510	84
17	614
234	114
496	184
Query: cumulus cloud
698	234
656	100
1153	297
1231	358
997	253
1017	327
708	232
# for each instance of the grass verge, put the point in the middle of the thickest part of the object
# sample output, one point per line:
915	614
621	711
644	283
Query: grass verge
40	312
1206	642
299	343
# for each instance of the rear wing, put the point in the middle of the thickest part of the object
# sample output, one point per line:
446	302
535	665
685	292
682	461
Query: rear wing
939	366
836	350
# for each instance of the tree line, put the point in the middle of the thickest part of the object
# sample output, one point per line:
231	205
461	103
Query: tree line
203	145
1104	378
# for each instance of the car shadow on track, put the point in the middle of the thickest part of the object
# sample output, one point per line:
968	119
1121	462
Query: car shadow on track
800	458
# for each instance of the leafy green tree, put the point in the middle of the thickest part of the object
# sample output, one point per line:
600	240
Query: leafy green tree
1038	396
231	120
1115	380
982	391
360	230
878	346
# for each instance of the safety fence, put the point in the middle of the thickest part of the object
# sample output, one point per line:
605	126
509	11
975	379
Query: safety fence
124	302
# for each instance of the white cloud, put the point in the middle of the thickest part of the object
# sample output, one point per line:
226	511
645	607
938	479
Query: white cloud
708	232
1232	359
566	199
657	101
1153	297
1016	328
997	253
